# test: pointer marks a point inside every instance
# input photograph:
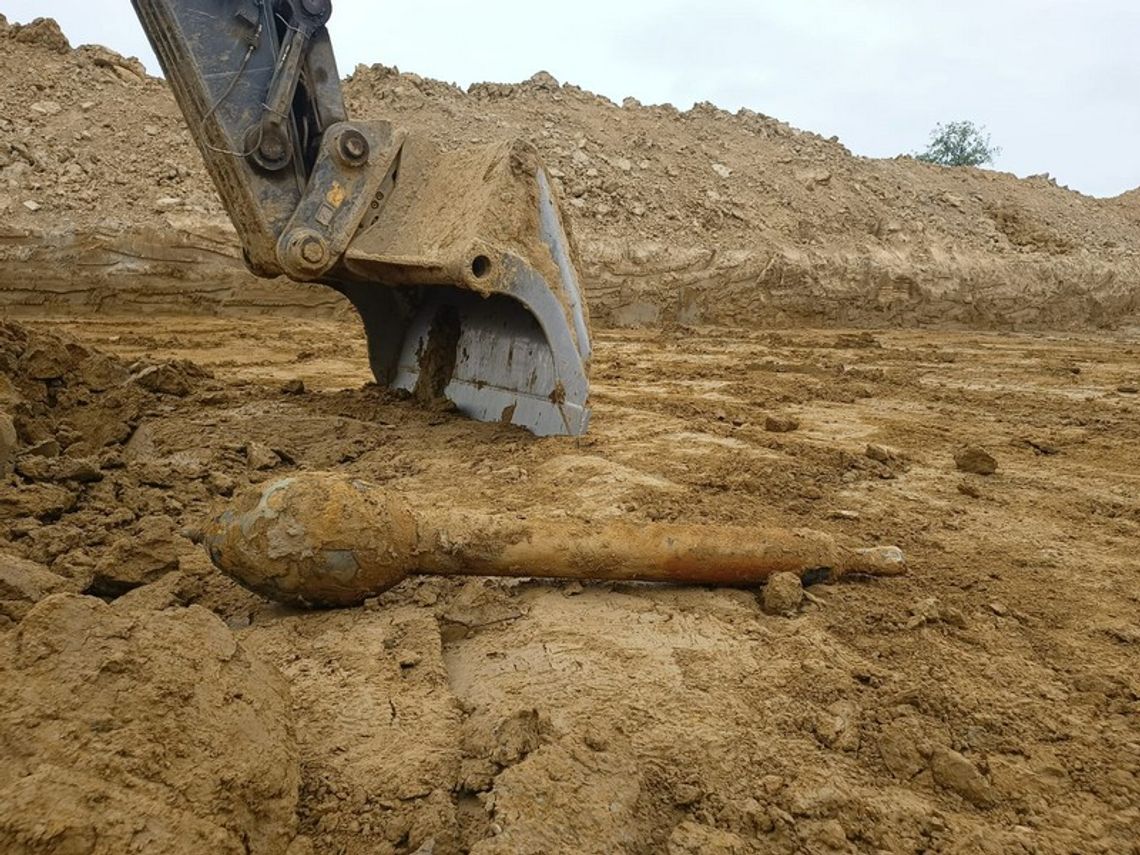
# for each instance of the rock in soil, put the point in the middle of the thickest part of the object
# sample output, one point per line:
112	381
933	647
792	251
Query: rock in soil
781	424
23	584
145	555
880	454
954	772
783	594
976	461
9	442
166	379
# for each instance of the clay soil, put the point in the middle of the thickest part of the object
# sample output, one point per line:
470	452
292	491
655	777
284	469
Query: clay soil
987	703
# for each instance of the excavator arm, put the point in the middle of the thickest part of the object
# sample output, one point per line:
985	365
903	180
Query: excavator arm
458	261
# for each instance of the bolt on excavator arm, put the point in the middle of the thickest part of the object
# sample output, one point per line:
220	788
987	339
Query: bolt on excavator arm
458	261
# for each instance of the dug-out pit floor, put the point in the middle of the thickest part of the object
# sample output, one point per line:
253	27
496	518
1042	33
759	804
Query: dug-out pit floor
988	702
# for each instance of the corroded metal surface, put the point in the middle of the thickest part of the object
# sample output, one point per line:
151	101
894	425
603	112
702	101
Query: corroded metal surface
326	540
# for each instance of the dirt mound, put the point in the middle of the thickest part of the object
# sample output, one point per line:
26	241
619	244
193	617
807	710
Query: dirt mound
668	176
1129	203
684	217
86	137
75	444
44	32
141	731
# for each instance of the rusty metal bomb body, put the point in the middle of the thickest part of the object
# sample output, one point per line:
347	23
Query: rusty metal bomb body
326	540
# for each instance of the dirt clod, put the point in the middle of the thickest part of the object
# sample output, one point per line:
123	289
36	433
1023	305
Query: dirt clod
144	555
954	772
167	379
783	594
23	584
9	443
781	424
976	461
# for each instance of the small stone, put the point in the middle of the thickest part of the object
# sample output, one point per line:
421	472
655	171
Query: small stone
781	424
409	659
167	203
783	594
293	387
880	454
59	469
9	442
32	205
48	360
46	108
164	379
23	584
261	457
976	461
1128	389
722	170
954	772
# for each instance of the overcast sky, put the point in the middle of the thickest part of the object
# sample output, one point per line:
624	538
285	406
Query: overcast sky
1057	82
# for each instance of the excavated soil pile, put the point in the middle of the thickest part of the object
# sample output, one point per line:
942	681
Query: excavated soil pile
987	703
694	217
709	216
104	202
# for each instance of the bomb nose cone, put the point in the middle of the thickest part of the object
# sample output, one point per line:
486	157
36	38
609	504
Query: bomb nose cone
315	540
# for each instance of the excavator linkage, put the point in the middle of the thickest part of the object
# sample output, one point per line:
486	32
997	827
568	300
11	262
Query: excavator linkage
458	262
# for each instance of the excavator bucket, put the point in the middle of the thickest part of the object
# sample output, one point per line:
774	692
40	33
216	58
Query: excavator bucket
465	279
458	261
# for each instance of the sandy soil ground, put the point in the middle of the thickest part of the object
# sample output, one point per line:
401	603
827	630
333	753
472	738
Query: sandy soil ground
989	702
